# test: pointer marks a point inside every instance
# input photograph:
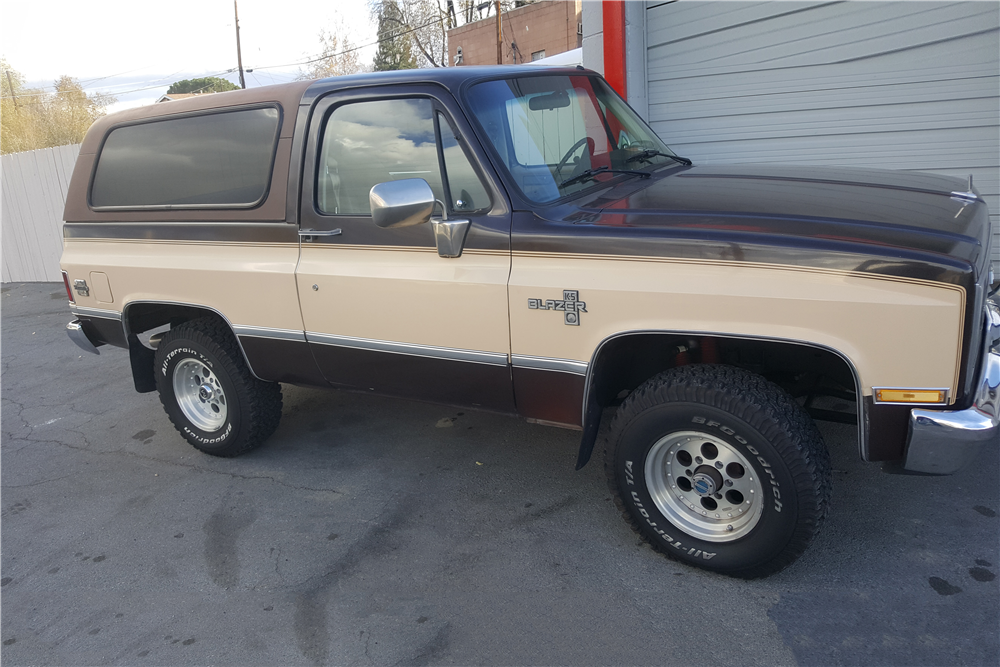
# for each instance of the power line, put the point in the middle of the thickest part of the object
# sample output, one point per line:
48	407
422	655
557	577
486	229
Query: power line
298	64
354	48
134	90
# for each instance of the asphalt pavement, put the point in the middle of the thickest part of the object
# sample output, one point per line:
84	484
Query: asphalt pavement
373	531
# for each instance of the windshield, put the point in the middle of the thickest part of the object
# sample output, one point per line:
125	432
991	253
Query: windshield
550	130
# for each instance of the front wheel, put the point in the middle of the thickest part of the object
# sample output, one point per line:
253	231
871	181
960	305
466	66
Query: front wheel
719	468
208	392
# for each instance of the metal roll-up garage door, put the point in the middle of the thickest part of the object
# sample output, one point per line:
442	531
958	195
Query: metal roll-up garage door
893	85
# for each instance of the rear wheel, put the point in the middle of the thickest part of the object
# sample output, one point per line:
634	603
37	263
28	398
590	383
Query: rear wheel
208	392
719	468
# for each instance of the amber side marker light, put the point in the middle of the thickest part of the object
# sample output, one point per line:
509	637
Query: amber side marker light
911	395
69	292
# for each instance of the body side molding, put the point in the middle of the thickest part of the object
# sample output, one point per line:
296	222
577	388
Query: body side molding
81	311
267	332
412	349
549	364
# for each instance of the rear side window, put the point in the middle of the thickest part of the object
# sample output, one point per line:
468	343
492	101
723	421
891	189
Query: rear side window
205	161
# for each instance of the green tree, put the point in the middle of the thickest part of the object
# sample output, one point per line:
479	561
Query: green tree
394	50
31	118
206	84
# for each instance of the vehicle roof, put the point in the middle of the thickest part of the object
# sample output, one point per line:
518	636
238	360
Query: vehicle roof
290	95
449	77
285	94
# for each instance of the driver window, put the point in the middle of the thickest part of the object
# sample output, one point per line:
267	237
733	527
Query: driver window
367	143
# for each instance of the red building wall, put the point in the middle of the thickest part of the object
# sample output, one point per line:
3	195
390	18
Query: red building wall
550	25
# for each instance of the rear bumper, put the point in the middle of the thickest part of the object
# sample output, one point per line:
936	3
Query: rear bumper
943	441
78	335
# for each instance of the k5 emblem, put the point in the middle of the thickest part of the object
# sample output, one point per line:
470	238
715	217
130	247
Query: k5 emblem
570	306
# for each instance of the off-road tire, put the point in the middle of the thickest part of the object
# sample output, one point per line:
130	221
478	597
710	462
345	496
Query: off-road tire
744	419
251	407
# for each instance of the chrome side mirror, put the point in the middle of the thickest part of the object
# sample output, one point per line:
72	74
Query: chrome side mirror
401	203
411	202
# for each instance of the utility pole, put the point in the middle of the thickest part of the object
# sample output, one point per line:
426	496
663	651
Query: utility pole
239	57
499	35
14	95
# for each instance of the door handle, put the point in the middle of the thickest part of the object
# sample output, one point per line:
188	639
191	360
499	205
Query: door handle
307	235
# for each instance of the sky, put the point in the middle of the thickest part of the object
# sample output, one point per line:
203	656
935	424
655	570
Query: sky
134	49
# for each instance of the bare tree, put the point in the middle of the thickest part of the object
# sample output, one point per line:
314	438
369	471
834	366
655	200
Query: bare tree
426	22
338	57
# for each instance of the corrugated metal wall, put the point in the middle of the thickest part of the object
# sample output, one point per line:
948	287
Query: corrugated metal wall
894	85
33	196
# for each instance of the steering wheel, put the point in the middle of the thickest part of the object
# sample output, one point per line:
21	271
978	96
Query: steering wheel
568	155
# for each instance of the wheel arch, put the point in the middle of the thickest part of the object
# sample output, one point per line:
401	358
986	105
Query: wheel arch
613	368
143	315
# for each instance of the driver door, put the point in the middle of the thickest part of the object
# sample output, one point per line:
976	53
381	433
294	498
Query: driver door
383	311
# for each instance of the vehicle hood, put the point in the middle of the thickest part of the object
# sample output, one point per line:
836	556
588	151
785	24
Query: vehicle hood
885	213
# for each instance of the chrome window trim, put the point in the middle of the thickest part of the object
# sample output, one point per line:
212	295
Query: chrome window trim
412	349
124	320
875	390
862	417
100	313
267	332
549	364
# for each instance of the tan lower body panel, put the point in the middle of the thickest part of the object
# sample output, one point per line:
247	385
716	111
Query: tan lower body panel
896	332
248	283
407	296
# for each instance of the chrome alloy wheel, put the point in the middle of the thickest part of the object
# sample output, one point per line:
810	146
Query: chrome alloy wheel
199	395
704	486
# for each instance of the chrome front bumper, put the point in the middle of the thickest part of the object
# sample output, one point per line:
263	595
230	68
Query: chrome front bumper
79	336
943	441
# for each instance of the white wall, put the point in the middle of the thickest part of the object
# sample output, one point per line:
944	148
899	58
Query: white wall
592	17
31	210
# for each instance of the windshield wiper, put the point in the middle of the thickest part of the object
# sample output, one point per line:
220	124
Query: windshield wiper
646	154
590	173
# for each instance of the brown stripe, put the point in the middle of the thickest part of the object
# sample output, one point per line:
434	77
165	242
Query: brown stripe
105	330
888	426
278	360
437	380
201	232
549	395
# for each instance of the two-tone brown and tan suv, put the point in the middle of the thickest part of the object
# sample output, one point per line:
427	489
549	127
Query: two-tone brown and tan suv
521	241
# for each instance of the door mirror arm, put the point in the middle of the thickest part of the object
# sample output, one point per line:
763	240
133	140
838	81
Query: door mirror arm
410	202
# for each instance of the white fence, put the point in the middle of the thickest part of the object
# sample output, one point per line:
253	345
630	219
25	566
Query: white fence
33	196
